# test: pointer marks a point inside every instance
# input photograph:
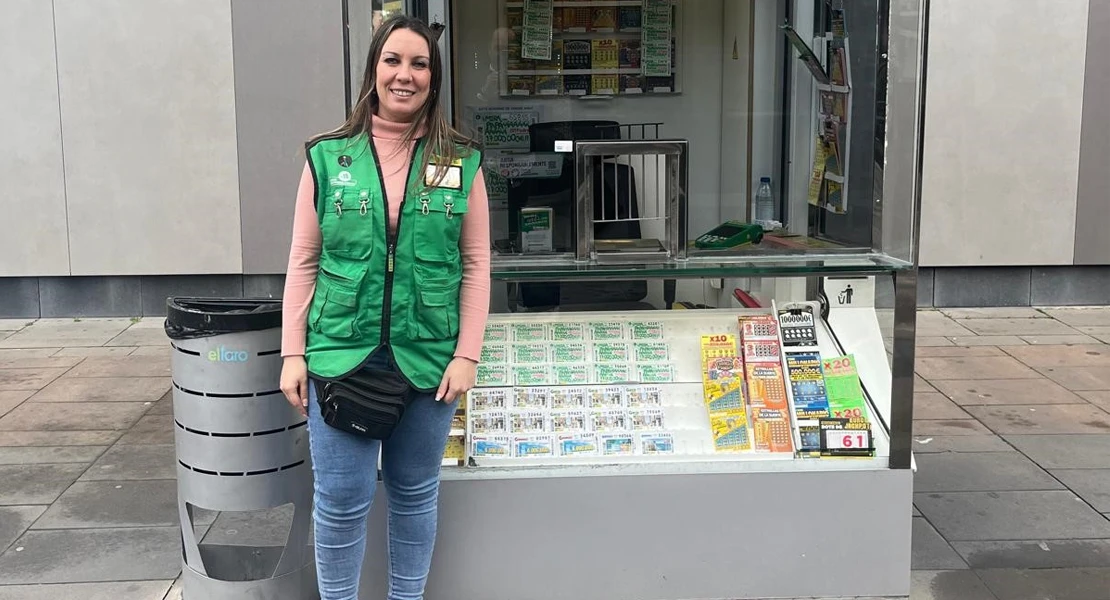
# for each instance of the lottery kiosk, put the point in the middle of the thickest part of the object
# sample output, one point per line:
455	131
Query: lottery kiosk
691	386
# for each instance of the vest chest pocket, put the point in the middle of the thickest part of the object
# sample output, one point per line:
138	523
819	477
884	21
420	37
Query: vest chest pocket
439	216
335	304
349	223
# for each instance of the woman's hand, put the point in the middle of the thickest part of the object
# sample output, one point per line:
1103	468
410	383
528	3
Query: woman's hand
294	383
457	379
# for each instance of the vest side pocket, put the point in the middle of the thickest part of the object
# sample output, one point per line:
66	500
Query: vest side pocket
435	314
335	317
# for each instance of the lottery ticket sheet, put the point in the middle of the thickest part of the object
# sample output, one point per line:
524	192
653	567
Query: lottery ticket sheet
723	388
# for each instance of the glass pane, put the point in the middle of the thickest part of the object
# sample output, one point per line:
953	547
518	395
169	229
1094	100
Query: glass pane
782	106
900	122
363	18
702	266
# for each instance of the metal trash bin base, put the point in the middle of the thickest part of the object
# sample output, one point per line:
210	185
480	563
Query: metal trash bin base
298	585
224	572
240	447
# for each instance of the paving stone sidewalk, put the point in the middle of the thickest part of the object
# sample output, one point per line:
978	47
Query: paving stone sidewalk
1012	442
1011	434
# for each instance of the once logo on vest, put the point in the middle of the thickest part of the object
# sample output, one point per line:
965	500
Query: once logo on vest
225	355
343	179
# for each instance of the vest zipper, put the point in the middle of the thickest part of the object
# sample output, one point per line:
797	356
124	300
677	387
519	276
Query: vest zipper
391	239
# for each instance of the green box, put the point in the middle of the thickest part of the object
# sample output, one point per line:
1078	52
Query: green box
536	229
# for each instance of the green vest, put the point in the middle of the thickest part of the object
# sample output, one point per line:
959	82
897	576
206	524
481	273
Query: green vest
375	288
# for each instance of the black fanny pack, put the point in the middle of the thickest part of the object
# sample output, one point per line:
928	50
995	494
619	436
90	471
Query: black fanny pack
369	403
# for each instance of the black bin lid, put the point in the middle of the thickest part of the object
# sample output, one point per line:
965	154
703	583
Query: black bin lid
189	317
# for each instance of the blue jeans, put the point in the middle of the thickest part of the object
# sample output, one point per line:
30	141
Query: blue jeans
345	468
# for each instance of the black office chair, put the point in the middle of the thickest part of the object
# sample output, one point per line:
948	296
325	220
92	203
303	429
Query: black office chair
558	194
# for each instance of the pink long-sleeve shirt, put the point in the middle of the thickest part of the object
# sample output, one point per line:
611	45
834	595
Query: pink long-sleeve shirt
474	247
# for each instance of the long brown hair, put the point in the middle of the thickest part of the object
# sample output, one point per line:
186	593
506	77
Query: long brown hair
444	144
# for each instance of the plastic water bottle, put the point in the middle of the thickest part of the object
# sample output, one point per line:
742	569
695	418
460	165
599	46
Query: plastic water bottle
764	201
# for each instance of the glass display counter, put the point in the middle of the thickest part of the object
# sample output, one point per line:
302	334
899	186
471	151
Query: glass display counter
678	399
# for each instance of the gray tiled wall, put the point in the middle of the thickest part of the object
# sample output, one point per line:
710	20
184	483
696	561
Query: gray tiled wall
288	86
1015	286
1070	286
972	148
884	289
34	194
48	297
263	286
19	297
155	290
1092	210
981	286
90	297
148	126
246	82
30	297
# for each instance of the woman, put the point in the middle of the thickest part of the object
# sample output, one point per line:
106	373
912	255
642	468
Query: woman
388	270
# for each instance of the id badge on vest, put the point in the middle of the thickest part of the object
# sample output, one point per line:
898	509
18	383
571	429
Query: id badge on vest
452	178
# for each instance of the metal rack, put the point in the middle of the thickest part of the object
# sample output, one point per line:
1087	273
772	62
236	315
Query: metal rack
661	167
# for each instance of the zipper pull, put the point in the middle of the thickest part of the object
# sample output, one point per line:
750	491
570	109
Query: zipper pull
448	206
389	259
424	204
364	199
339	203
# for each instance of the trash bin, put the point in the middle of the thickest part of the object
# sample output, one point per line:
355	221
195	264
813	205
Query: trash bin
240	447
